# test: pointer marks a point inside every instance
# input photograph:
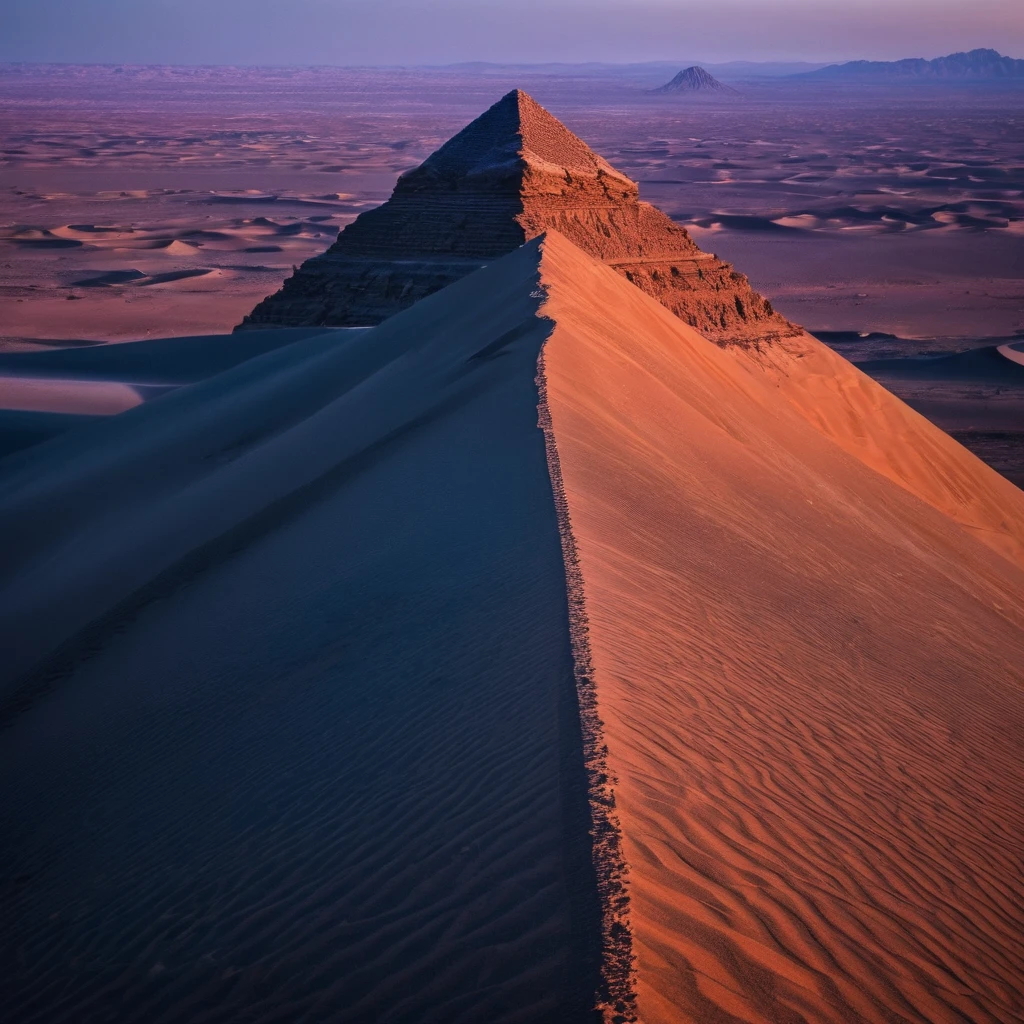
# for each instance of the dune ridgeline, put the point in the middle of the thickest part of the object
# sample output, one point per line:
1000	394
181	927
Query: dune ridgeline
582	639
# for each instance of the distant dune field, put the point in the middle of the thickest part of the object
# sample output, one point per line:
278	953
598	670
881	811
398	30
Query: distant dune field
851	209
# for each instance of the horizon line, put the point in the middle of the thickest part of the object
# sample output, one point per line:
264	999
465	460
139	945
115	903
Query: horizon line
480	63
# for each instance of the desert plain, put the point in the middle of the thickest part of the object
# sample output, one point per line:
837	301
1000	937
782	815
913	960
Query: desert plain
526	656
153	202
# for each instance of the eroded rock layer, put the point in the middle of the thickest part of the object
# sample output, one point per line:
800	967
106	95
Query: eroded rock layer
512	174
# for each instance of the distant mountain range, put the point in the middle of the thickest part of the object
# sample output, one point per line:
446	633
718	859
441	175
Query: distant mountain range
975	64
730	70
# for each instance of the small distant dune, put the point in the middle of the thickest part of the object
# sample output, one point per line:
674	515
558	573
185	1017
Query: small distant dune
108	278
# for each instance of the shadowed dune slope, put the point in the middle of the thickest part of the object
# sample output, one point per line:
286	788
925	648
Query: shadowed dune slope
42	394
157	360
310	748
810	681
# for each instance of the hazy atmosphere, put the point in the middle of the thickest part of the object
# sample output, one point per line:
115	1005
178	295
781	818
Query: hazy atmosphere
352	32
511	511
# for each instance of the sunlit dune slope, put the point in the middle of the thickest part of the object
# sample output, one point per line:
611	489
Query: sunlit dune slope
869	422
810	683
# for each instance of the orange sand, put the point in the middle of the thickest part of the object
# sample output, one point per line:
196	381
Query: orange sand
300	658
867	421
809	680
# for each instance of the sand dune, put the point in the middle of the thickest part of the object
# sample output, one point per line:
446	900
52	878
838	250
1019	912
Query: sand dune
397	825
984	365
87	397
50	391
1013	353
976	395
257	781
158	360
871	424
20	428
810	684
172	272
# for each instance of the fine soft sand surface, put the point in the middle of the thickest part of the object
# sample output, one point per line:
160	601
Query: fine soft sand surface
865	420
303	705
44	392
810	683
977	396
316	754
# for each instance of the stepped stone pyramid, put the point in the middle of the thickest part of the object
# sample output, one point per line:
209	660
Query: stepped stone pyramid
512	174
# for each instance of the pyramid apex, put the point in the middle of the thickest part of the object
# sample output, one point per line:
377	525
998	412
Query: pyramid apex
513	134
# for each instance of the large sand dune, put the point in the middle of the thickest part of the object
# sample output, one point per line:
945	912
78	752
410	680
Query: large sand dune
47	391
312	665
810	683
316	757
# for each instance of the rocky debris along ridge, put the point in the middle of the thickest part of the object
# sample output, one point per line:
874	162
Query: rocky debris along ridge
512	174
694	79
979	64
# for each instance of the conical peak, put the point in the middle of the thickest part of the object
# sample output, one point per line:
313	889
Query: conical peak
513	134
694	79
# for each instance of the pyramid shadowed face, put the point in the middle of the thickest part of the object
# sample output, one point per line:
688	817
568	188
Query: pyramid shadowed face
509	176
514	139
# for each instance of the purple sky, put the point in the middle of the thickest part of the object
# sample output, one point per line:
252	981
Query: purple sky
442	31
